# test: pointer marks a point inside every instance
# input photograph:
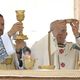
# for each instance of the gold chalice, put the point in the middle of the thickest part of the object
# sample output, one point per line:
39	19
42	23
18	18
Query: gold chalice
20	17
28	62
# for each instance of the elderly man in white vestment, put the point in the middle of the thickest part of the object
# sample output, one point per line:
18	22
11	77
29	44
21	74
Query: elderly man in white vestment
64	55
67	54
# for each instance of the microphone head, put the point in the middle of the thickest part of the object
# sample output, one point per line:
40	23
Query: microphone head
74	46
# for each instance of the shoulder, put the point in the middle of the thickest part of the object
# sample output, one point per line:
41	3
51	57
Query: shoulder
69	43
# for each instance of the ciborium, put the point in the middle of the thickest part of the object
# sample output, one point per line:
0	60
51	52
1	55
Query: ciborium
20	17
28	62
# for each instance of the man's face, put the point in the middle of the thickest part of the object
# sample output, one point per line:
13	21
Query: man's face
60	33
27	53
1	25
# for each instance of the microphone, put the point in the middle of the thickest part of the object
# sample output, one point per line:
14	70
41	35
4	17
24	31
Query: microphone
74	46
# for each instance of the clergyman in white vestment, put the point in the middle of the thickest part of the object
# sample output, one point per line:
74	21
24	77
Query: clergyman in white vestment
64	55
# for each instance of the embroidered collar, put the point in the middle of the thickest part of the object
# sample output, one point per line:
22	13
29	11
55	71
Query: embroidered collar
61	45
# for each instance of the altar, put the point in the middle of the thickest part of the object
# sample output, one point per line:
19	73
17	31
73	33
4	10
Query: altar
42	74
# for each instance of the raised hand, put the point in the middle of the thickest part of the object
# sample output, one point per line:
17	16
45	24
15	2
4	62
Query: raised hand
17	27
75	26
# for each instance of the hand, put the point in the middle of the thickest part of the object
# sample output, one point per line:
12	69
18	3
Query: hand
15	28
75	26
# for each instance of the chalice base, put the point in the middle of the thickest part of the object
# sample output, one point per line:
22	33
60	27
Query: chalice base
21	36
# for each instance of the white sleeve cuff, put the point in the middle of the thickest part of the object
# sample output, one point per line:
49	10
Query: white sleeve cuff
8	44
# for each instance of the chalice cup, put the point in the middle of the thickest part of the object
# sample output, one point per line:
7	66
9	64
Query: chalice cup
28	62
20	17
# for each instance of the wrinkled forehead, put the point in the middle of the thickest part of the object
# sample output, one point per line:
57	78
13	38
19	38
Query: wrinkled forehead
58	25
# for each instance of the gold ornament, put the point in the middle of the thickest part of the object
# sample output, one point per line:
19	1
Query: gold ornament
20	17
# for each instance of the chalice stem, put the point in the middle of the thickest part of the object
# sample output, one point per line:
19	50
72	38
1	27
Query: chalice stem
21	32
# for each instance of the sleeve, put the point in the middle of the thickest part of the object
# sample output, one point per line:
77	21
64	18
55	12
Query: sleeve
77	56
16	62
6	47
78	44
